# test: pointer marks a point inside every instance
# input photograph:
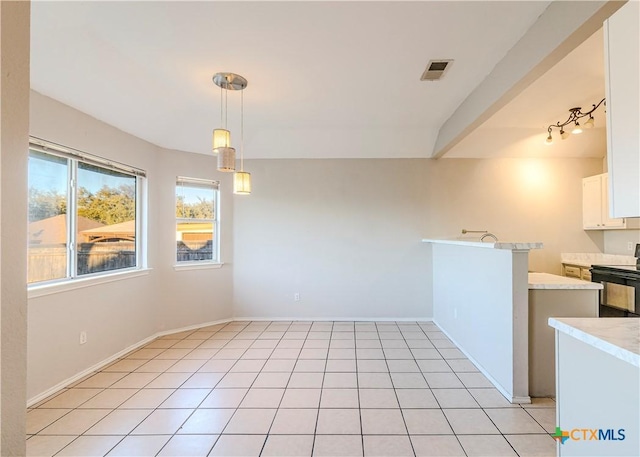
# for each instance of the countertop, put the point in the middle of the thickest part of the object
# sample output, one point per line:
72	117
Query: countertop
549	281
587	259
617	336
512	246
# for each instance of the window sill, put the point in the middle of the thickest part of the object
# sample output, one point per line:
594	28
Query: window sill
198	266
49	289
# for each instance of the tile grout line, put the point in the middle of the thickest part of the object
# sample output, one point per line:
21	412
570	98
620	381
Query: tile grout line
111	409
324	373
395	393
482	409
212	389
174	390
248	389
286	385
192	374
436	398
355	361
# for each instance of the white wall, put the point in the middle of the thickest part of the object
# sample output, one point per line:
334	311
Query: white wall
344	234
616	241
118	314
188	297
480	301
14	125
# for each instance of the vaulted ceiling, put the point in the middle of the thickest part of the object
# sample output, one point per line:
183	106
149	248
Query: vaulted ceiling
326	79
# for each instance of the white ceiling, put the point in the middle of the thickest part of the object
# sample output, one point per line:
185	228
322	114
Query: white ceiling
520	128
326	79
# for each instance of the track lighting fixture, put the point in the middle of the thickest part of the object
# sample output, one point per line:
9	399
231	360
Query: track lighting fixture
574	115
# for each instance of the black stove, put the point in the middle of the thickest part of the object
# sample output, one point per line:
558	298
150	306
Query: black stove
629	270
620	296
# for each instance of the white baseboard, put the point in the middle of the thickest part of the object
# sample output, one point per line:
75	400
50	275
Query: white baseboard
335	319
192	327
495	383
61	385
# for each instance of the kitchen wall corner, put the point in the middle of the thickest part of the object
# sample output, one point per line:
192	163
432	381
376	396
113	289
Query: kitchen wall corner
616	241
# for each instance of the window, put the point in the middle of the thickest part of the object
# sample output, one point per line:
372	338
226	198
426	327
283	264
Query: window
83	215
196	221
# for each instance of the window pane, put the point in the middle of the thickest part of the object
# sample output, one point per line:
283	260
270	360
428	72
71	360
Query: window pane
196	214
47	255
195	241
195	201
106	225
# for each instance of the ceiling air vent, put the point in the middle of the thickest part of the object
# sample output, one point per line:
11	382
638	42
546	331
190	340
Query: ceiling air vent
436	69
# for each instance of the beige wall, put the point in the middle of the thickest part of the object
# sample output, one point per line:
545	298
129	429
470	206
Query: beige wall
616	241
517	200
119	314
189	297
344	234
14	125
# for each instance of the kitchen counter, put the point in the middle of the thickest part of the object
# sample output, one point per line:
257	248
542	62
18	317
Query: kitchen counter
587	259
513	246
549	281
559	297
598	374
619	337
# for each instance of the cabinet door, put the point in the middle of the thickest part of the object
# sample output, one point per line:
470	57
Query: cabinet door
622	73
592	202
607	221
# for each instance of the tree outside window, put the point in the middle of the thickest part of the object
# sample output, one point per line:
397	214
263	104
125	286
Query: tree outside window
196	220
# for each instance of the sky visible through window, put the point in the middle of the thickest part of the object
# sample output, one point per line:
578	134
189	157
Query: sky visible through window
49	173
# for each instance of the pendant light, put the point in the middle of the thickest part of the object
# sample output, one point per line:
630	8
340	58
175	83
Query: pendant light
222	137
242	179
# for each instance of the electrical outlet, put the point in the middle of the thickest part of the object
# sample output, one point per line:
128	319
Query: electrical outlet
629	246
83	337
455	313
296	297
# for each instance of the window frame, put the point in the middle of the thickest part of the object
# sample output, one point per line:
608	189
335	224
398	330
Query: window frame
72	279
215	262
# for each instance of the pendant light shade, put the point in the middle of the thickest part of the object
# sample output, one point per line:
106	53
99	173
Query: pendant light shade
221	139
242	183
226	159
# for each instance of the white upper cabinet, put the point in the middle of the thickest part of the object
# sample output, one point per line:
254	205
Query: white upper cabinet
622	79
595	207
592	203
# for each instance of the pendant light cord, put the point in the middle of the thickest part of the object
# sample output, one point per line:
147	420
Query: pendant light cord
221	107
241	130
226	104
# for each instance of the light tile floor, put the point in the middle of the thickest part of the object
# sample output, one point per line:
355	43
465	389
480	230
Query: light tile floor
291	389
